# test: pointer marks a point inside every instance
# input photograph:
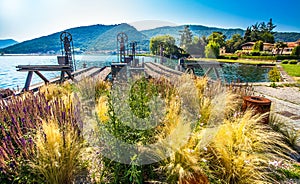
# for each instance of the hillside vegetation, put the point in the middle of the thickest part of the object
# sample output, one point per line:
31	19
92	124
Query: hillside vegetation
103	37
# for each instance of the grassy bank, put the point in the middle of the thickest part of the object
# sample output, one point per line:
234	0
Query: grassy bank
242	61
292	70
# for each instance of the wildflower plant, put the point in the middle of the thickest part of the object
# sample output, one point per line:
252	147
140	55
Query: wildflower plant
20	117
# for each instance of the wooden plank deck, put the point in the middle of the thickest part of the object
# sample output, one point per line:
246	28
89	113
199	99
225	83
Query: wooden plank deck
157	70
80	74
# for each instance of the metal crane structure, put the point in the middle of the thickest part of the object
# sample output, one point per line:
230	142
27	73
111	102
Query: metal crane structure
122	40
126	58
67	57
66	63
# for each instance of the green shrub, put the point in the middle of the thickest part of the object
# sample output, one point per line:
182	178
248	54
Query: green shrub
282	57
293	62
259	57
274	75
233	57
279	57
285	61
265	53
255	53
273	85
296	51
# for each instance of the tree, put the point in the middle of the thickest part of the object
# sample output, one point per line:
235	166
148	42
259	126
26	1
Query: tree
212	50
234	44
163	43
260	31
296	51
271	26
185	37
197	47
247	35
267	37
218	38
258	46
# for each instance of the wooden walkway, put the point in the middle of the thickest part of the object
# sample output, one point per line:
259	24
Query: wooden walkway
96	72
157	70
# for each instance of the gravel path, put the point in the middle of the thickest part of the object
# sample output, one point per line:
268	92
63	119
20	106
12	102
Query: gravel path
285	102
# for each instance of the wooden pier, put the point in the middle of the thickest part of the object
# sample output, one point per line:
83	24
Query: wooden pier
95	72
157	70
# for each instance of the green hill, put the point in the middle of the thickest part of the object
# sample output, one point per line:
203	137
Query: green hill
287	37
103	37
197	30
83	37
7	43
108	40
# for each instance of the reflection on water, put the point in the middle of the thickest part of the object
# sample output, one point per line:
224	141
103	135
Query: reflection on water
229	72
245	73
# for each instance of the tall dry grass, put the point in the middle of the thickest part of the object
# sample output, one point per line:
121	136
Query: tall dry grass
225	146
58	151
241	150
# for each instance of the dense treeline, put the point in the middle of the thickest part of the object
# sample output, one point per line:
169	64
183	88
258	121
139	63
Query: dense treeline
210	46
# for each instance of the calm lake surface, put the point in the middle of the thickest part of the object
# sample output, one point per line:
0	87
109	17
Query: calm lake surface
11	78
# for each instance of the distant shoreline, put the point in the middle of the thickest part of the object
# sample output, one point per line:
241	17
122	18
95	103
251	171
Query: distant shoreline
28	55
90	54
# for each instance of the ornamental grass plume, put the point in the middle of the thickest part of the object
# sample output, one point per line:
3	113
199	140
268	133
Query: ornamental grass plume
217	106
20	117
241	149
91	89
57	154
102	109
182	164
52	91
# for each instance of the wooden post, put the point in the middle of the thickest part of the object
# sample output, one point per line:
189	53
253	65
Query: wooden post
62	76
42	76
28	80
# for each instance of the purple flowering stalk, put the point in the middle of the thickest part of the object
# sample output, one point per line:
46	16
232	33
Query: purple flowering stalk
20	117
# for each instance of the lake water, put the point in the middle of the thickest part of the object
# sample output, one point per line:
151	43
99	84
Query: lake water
11	78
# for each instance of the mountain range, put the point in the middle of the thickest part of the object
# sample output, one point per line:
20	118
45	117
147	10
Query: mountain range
103	38
7	42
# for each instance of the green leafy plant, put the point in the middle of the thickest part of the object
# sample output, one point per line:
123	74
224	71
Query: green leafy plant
274	75
273	85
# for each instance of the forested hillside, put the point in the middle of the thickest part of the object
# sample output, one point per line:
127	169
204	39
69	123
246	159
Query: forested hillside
104	38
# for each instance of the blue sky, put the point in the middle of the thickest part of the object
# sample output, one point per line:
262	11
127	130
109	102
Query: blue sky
28	19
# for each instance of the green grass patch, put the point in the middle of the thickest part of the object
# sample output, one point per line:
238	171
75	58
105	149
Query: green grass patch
242	61
292	70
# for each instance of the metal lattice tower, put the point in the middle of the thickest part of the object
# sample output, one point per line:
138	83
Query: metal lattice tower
122	40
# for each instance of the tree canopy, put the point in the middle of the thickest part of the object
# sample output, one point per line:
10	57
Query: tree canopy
186	37
165	46
260	31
